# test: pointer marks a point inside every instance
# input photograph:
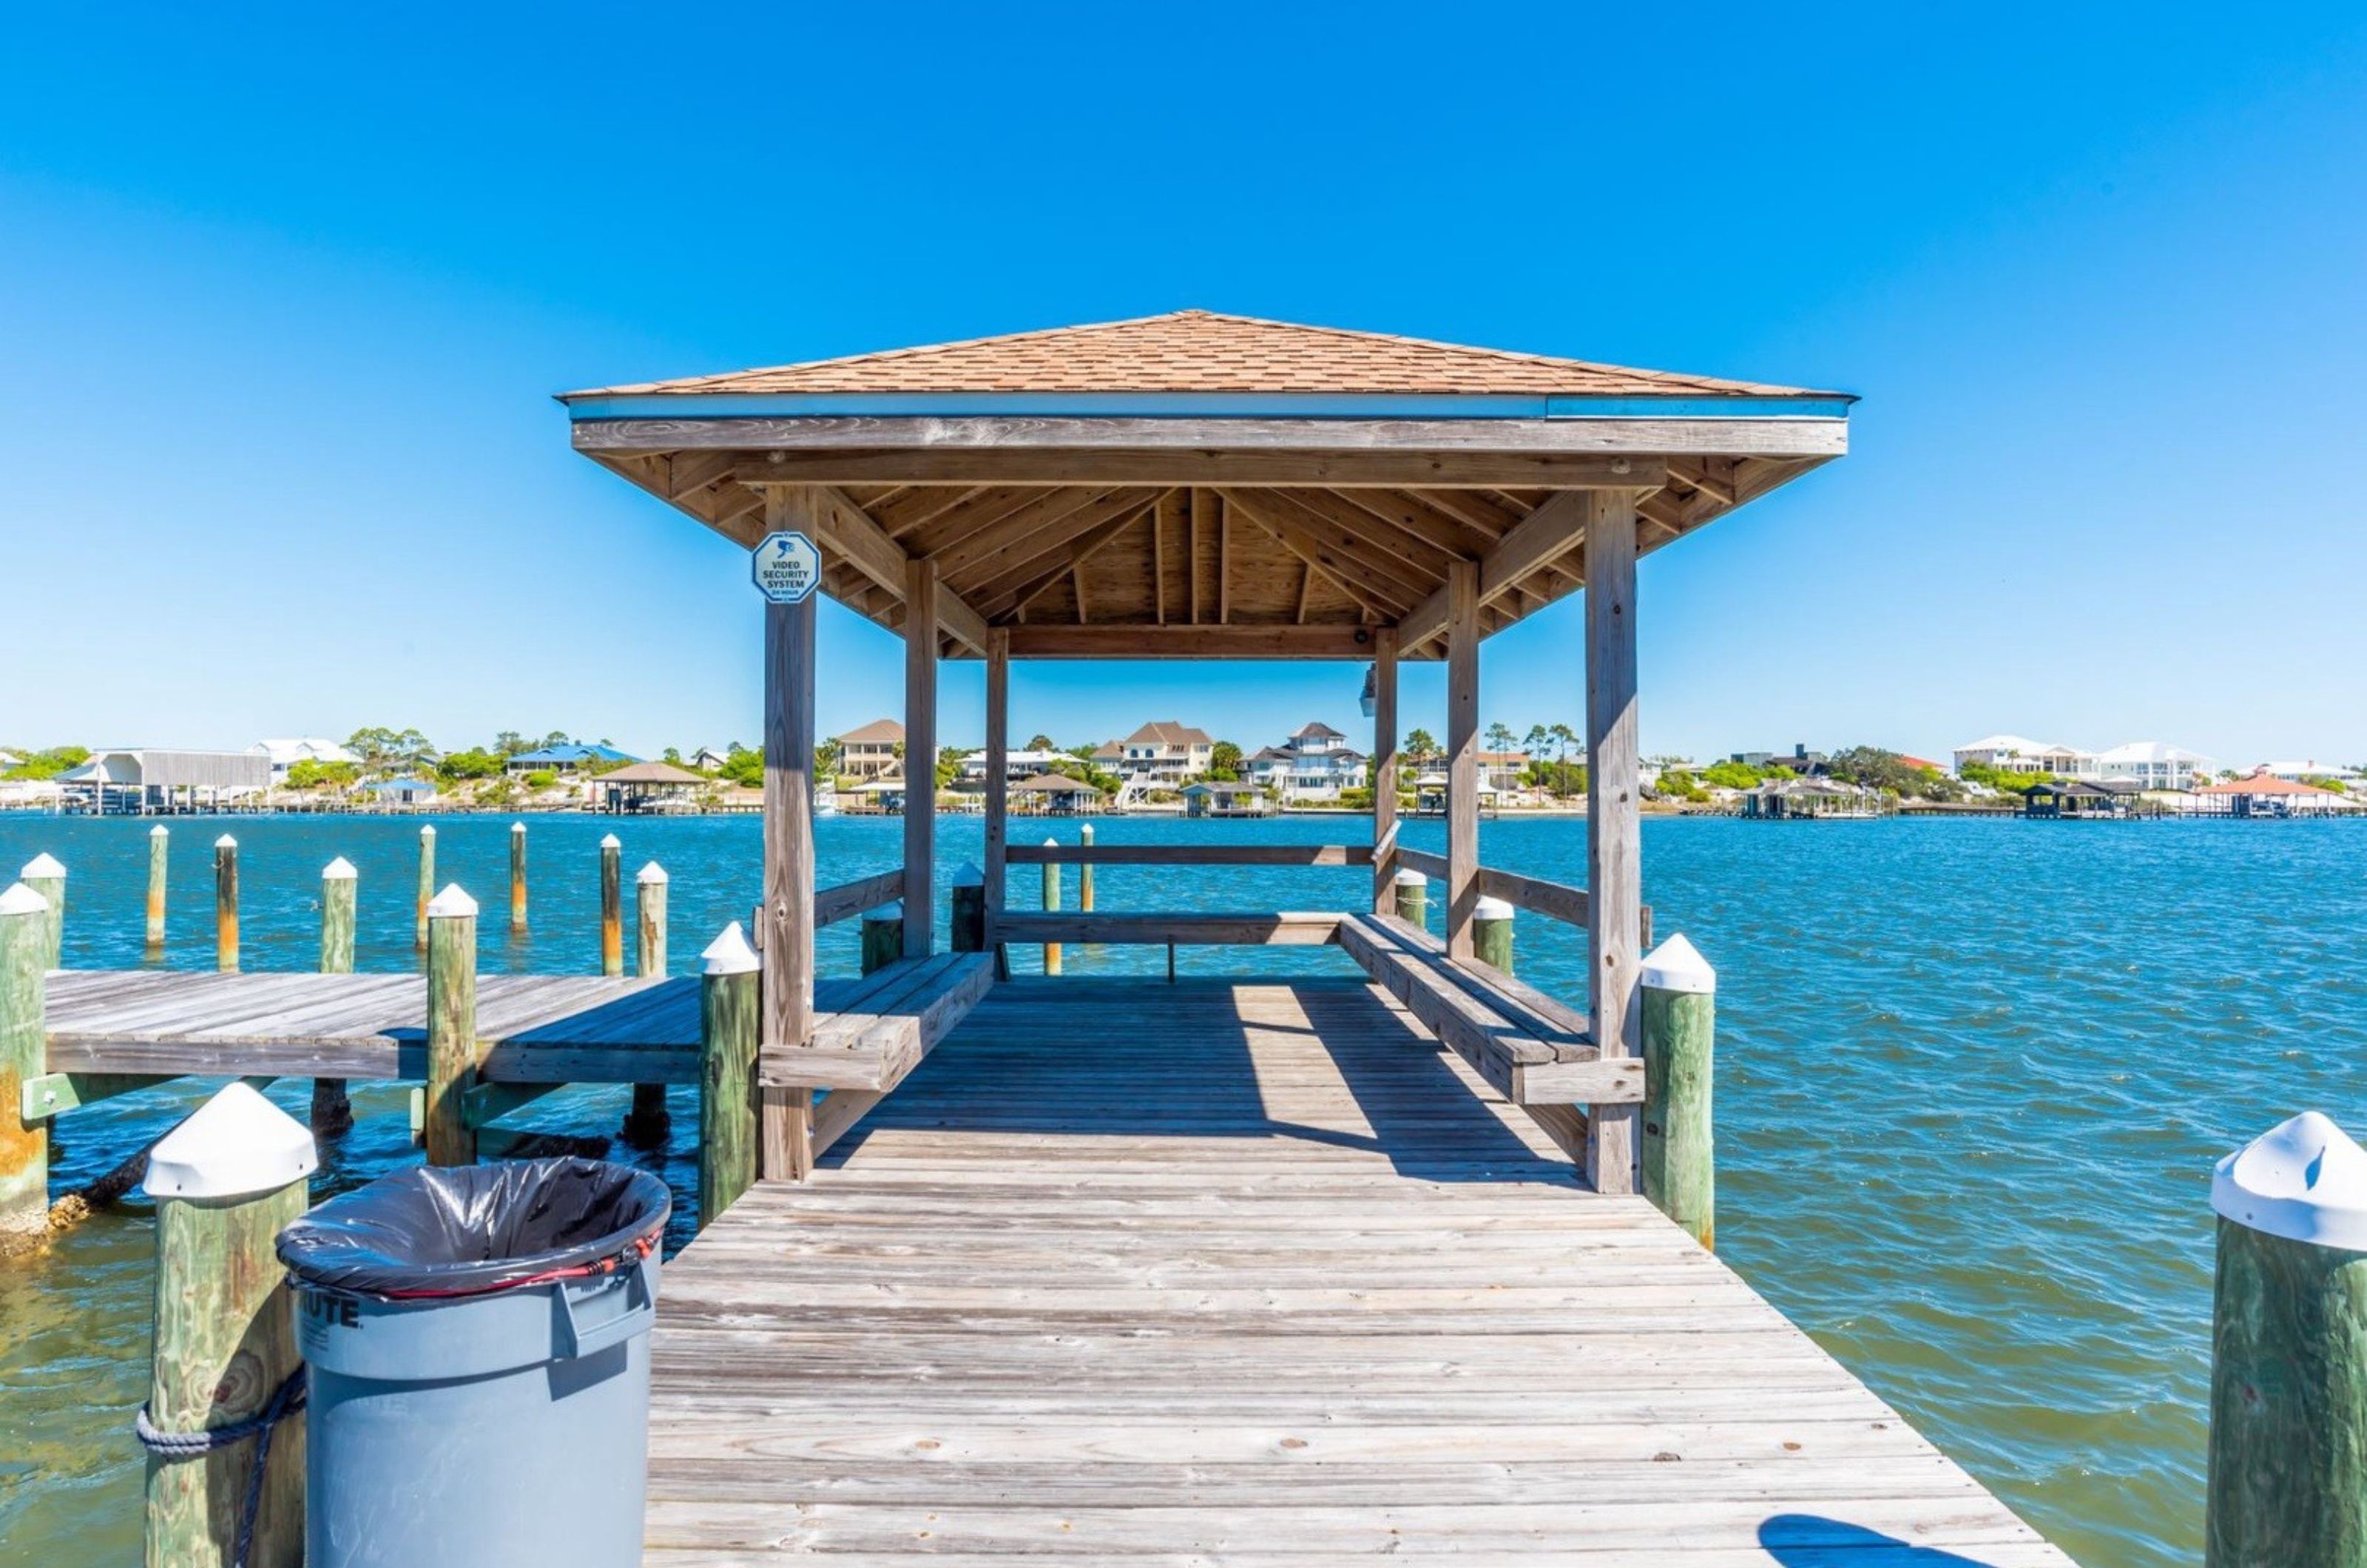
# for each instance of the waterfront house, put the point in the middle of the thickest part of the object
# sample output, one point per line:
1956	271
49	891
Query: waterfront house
645	786
1800	761
1802	798
406	791
2152	765
147	778
568	757
286	753
1110	756
878	748
2265	795
1504	770
2326	774
1314	765
1017	765
707	760
1054	795
1221	799
2077	798
1166	752
2019	754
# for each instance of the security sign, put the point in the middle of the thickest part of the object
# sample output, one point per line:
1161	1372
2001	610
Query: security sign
786	568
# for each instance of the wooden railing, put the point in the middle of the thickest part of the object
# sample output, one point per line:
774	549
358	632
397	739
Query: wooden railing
1190	854
849	899
1554	899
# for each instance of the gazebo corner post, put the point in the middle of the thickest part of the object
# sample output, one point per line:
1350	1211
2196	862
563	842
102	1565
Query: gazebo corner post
1613	837
785	1142
1385	769
1463	756
919	754
997	789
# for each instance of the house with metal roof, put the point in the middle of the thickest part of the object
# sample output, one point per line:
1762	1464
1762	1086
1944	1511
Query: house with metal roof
571	757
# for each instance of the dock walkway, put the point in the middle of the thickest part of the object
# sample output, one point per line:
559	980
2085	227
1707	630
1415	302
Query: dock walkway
1250	1272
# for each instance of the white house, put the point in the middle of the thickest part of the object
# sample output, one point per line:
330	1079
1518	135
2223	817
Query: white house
1166	751
1017	765
1315	765
871	751
2019	754
2153	764
286	753
2308	770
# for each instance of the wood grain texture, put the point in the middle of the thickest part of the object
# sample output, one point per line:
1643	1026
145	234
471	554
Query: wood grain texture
921	595
452	1038
24	1146
727	1100
1248	1272
1386	768
788	943
1462	755
1613	802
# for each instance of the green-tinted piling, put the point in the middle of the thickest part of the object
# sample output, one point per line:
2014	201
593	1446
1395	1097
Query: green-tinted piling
727	1076
45	876
1491	934
883	936
1680	1031
452	1026
225	1182
969	898
23	1054
1413	898
426	881
2288	1477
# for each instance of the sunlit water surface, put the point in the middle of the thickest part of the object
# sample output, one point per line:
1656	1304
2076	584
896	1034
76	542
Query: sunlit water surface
1971	1078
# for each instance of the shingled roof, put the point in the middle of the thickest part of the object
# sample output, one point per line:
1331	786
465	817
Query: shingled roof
1201	351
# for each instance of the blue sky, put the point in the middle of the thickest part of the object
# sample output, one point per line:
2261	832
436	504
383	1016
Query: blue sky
283	296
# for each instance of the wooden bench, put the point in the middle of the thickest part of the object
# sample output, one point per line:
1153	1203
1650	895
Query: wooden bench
1531	1049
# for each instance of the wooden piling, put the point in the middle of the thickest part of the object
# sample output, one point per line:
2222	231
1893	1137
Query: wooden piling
1491	934
883	937
2288	1475
225	1182
45	876
160	840
649	1123
333	1111
23	1054
226	903
517	878
427	880
612	905
452	1026
1413	898
727	1077
1051	901
1676	1150
969	900
1085	870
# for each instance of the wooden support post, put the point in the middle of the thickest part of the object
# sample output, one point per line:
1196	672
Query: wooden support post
226	903
332	1110
612	905
452	1026
920	755
1614	842
517	877
225	1182
969	900
160	839
1085	870
649	1123
2288	1476
786	1147
24	1056
998	784
1461	754
1413	897
1678	1017
1384	768
427	880
883	937
1051	883
45	876
1491	934
727	1074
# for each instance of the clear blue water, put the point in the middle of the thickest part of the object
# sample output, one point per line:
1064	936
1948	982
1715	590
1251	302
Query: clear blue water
1972	1077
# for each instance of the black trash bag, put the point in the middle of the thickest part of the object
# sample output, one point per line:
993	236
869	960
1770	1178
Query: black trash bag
466	1230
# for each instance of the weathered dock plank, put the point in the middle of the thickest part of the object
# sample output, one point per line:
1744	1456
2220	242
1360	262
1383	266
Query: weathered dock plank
1251	1273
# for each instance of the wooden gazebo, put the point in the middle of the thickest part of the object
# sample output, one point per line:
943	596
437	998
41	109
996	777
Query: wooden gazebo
1204	485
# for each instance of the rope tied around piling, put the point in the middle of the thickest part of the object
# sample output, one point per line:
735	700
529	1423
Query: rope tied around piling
288	1399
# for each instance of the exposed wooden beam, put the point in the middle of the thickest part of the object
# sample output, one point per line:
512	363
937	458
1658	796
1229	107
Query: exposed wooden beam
1161	467
963	538
1040	641
1338	526
1544	535
1365	584
848	532
1019	560
1009	606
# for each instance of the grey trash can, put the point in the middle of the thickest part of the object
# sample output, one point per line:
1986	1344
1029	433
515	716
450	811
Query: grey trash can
478	1341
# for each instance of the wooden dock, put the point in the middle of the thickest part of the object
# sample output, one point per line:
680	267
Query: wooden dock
1250	1272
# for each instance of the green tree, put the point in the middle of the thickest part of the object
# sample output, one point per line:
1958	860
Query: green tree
1224	762
473	763
388	751
949	765
1732	774
1565	741
1421	746
672	755
1500	737
1536	741
744	766
509	743
310	773
1040	743
50	762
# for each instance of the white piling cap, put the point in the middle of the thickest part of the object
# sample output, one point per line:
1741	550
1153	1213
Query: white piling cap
452	901
2301	1180
225	842
1491	910
338	870
517	827
652	872
890	911
1051	843
236	1145
968	874
160	832
22	900
612	842
1677	965
1411	879
43	864
730	953
427	829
